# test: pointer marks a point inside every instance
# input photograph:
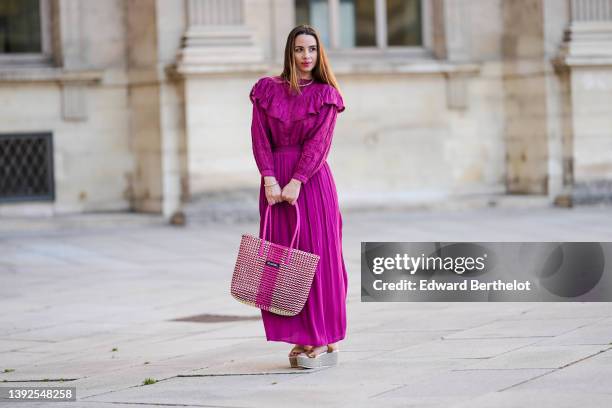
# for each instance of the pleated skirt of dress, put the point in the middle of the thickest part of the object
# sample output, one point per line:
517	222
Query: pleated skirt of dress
323	319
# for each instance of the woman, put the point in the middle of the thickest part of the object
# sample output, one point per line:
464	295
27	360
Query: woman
294	115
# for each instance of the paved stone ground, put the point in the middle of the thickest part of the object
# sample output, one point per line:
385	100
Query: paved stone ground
73	289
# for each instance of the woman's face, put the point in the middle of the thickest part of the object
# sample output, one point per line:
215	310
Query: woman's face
305	54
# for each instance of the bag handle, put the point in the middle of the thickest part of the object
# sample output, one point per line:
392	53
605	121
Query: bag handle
296	236
295	231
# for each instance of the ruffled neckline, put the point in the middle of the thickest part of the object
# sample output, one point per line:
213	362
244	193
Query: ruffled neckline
273	95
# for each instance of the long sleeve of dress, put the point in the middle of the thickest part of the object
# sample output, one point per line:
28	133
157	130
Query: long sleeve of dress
262	151
316	147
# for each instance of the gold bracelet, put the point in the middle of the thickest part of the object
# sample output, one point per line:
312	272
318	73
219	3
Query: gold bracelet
270	185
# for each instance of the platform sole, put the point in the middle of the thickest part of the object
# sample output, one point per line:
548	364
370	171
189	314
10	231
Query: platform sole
325	359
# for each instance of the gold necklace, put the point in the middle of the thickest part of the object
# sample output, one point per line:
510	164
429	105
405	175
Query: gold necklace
307	83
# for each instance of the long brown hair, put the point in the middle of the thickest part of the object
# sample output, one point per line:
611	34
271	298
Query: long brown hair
321	72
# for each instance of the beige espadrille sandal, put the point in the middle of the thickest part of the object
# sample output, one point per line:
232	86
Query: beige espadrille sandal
293	358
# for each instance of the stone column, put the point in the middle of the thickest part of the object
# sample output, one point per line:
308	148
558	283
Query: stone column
159	182
216	35
586	55
533	93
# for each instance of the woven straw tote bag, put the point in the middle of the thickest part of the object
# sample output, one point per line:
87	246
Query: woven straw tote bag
273	277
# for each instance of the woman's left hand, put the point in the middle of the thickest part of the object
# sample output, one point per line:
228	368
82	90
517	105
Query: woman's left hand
291	191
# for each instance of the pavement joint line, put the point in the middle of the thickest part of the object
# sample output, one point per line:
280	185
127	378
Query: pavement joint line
526	337
555	370
585	325
407	331
44	380
239	337
559	318
47	253
514	385
508	351
440	338
67	339
109	231
387	391
33	340
486	338
21	331
205	375
198	375
204	331
373	356
493	338
574	329
504	369
571	344
508	369
127	388
242	374
165	404
469	358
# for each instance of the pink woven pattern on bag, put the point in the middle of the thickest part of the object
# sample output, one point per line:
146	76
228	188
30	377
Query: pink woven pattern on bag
273	277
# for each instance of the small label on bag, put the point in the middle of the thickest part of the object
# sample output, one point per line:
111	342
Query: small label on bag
273	264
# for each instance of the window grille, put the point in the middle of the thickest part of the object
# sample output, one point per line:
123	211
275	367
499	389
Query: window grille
26	167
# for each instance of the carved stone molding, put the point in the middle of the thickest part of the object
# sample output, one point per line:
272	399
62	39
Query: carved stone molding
456	91
588	39
74	101
215	12
591	10
216	35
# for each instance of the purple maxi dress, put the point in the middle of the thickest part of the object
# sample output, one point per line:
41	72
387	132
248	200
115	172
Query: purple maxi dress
291	137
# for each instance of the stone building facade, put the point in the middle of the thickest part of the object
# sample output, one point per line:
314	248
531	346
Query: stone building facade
141	104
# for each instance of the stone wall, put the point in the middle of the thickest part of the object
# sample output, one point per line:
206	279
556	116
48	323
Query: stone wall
83	101
148	103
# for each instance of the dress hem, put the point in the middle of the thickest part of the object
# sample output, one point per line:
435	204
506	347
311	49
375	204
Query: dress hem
335	339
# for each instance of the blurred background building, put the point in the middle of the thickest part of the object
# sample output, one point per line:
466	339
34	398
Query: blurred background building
143	104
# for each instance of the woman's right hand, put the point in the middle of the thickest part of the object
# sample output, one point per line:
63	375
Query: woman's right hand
273	192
